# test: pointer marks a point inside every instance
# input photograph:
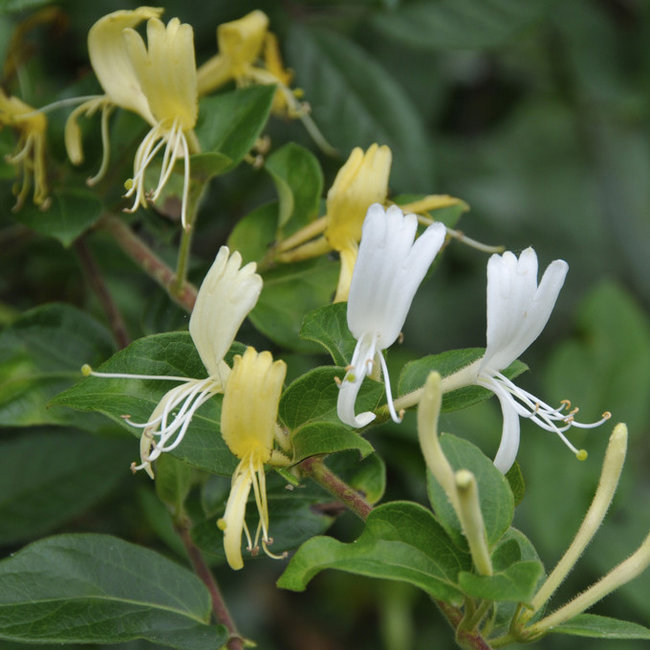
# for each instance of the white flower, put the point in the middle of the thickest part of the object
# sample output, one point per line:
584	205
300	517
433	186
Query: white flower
227	295
517	311
389	269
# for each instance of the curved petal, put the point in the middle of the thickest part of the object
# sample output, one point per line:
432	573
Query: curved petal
227	295
509	444
111	62
362	360
233	523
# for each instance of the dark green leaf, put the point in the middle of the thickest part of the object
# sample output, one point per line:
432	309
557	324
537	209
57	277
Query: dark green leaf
41	354
415	373
101	589
497	504
328	326
289	292
470	24
72	212
255	232
326	438
162	354
367	475
312	397
401	541
229	123
48	477
356	102
602	627
206	165
173	483
516	583
299	182
517	484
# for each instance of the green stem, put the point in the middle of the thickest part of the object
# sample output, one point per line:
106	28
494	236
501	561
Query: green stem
150	263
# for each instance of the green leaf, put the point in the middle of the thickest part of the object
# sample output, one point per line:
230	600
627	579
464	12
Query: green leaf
173	483
71	213
101	589
48	477
254	233
41	354
206	165
298	180
328	326
162	354
401	541
313	396
517	483
415	373
356	102
516	583
327	438
462	24
602	627
295	515
289	292
230	123
367	475
497	503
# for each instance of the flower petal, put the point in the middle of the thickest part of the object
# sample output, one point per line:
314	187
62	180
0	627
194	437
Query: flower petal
232	523
509	444
362	360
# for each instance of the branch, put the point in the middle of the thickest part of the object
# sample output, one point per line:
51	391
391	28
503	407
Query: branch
96	281
152	265
202	570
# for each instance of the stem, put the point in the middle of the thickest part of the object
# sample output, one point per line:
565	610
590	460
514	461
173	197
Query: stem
153	266
202	570
464	638
96	281
319	472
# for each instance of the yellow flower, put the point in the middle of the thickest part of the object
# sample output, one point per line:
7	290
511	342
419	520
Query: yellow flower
249	53
362	181
157	81
29	155
249	427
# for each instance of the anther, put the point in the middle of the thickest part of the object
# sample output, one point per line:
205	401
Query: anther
582	454
337	381
566	404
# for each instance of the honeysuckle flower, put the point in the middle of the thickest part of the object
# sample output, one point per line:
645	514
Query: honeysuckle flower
390	266
29	155
158	81
249	53
226	296
249	427
517	311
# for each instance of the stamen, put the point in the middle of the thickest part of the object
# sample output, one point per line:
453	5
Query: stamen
389	396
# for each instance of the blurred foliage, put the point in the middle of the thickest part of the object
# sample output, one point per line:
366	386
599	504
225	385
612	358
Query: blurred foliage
535	113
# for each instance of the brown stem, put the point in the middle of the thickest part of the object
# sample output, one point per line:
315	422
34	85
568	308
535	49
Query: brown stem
464	638
96	281
318	471
138	251
202	570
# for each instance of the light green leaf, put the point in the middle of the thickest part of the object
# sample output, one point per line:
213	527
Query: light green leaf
471	24
495	496
48	477
41	354
162	354
72	212
516	583
299	182
401	541
229	123
326	438
206	165
602	627
101	589
328	326
356	102
289	292
254	233
415	373
312	397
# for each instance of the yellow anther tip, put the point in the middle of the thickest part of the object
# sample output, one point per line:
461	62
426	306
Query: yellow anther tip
582	454
607	415
86	370
221	524
128	184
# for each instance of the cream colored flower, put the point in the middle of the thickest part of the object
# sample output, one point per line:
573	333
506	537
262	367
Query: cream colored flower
226	296
158	81
29	155
249	427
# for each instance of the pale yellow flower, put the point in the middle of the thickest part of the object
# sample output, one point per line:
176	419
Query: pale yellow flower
158	81
29	155
249	428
